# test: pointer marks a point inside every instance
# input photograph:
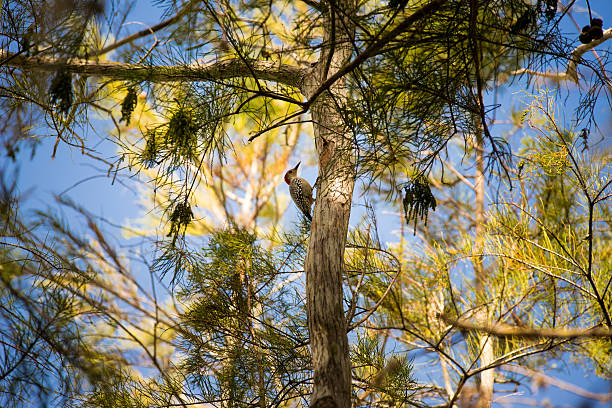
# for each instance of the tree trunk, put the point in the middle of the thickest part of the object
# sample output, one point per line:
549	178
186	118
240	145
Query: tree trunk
487	377
324	263
324	268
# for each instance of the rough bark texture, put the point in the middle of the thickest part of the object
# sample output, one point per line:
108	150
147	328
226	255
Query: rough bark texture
232	68
324	268
324	264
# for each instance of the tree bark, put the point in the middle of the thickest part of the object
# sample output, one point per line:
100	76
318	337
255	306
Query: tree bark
487	377
324	263
227	69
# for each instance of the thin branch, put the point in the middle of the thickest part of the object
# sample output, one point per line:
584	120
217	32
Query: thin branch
143	33
457	173
353	305
317	5
571	72
376	47
279	123
545	272
476	55
377	305
541	377
500	330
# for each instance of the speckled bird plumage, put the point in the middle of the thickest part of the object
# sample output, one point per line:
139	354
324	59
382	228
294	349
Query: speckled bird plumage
300	190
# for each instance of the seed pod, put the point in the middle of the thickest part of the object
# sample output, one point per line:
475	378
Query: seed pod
585	37
149	154
418	199
60	91
128	105
596	32
180	218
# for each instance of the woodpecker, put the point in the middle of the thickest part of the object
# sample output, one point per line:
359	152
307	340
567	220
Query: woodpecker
300	191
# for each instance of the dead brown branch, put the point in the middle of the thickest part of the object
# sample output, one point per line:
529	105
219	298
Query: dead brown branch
505	330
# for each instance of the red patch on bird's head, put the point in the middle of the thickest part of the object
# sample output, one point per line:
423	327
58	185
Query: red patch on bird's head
292	171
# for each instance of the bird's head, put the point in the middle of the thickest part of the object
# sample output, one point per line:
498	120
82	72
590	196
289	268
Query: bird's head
291	174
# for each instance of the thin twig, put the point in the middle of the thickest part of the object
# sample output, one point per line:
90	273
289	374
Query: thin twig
143	33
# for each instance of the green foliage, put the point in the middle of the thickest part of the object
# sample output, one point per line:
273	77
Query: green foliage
128	105
181	134
386	377
371	273
98	341
424	89
149	153
244	335
193	133
548	237
543	247
65	342
418	199
60	91
179	219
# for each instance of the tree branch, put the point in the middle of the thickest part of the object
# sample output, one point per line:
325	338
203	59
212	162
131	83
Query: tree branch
541	377
571	72
317	5
504	330
375	48
228	69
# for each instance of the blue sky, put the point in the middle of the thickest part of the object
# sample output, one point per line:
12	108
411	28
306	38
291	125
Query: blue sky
85	181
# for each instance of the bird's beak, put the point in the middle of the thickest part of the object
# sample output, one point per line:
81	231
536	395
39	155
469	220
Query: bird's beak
298	165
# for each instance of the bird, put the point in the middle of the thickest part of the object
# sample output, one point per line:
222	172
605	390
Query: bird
300	190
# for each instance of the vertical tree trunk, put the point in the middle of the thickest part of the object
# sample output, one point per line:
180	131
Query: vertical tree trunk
479	182
486	343
324	268
324	263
